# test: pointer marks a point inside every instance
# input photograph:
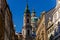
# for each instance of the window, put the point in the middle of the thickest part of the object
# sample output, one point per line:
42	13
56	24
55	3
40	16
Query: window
28	32
55	17
55	32
42	35
51	37
27	20
0	11
59	10
28	15
48	31
59	27
23	32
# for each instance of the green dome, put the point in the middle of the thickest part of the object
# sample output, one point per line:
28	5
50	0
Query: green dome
34	19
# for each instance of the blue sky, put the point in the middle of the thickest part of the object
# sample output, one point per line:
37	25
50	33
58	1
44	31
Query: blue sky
17	8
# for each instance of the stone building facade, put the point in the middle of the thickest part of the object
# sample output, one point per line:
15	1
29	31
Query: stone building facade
49	23
18	36
1	26
2	20
53	22
56	21
41	33
7	29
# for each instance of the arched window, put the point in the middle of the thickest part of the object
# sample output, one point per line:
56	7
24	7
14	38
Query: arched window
59	27
28	32
28	15
42	35
23	32
27	20
51	37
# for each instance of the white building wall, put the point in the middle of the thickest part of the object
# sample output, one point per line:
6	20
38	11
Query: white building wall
56	18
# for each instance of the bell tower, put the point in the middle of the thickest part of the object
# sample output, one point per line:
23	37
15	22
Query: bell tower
34	20
27	29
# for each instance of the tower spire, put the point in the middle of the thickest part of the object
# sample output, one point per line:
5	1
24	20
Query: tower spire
27	9
27	28
26	4
33	12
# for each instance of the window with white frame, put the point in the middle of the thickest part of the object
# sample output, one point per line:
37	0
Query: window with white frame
59	12
54	17
59	27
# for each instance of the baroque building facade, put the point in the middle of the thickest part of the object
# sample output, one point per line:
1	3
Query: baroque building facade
41	33
52	22
7	29
56	21
49	23
1	22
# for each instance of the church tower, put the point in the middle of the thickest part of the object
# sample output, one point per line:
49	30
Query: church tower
27	29
33	22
